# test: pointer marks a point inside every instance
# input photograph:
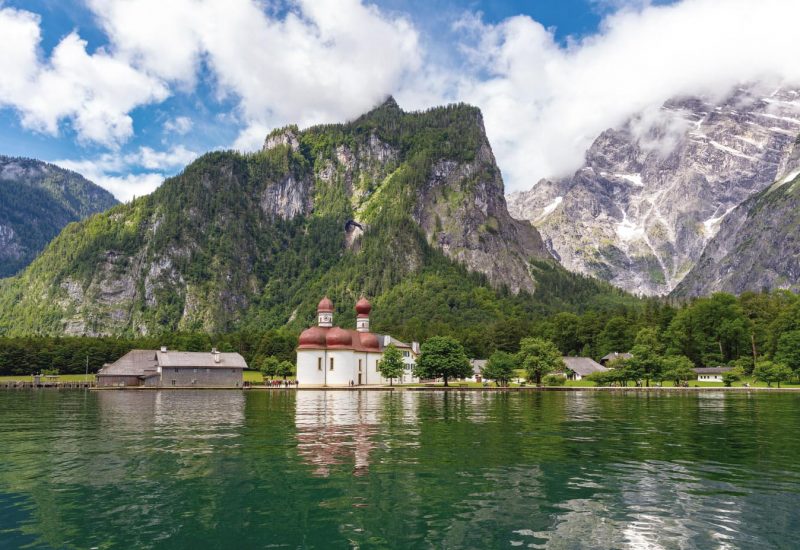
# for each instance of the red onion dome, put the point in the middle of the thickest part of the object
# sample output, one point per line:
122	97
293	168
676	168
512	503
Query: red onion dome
325	306
338	337
313	337
370	341
363	307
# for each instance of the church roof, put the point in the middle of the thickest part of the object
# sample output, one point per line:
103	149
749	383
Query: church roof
339	339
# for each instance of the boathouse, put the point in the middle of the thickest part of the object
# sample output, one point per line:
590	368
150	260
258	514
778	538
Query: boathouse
165	368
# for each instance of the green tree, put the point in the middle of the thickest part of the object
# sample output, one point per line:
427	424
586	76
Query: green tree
770	372
391	364
285	369
615	336
500	368
646	351
268	366
677	368
733	375
539	357
602	377
788	351
442	357
554	380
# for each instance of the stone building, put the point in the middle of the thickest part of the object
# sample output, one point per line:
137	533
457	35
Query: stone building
164	368
333	356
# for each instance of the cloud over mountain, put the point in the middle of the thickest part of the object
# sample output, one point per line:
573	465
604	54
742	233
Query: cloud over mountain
313	61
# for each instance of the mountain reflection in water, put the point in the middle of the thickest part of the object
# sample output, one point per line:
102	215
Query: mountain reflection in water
343	469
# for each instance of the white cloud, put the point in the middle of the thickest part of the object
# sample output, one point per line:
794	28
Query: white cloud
150	159
133	174
94	92
181	125
102	171
324	61
544	104
330	60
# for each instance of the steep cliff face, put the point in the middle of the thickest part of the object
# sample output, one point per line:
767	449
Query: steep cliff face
653	193
250	240
758	244
37	200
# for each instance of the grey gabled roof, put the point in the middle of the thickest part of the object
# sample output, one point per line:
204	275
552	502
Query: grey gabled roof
478	365
133	363
382	339
583	365
202	359
712	370
137	362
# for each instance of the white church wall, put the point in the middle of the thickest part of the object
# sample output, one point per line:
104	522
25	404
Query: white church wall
308	372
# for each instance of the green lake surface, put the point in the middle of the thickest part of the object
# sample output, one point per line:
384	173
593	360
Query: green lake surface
347	469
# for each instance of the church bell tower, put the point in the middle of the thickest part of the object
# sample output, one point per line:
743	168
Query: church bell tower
325	313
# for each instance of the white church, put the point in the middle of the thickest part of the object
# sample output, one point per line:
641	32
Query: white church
333	356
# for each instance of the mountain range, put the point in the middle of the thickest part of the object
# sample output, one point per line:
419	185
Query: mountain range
407	208
37	200
653	193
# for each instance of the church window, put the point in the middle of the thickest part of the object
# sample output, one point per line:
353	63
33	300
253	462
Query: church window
331	363
319	363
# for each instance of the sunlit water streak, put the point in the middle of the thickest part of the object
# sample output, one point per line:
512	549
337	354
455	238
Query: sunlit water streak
219	469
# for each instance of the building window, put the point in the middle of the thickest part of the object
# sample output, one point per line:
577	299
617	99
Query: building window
319	363
194	370
233	371
331	364
359	365
406	354
176	370
173	382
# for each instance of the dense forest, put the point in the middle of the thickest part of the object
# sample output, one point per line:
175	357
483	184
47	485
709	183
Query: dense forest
718	330
37	200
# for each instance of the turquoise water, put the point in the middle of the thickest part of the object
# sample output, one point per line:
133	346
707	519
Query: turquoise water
232	469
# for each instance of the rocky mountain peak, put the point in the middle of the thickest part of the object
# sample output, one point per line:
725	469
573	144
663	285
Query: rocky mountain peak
653	192
286	136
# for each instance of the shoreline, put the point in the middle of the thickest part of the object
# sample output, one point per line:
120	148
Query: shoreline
652	389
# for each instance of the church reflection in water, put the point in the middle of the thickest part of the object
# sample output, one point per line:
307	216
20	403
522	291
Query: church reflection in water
336	427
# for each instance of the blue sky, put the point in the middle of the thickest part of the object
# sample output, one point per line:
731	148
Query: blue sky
106	94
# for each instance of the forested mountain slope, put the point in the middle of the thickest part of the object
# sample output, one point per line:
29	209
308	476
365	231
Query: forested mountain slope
407	208
37	200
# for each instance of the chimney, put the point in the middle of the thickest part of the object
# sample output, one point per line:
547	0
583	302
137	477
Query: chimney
213	350
163	349
415	347
216	355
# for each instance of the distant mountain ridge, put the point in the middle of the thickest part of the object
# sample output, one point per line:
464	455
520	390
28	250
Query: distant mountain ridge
653	193
758	244
407	208
37	200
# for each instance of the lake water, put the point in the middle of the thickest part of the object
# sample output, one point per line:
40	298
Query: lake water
339	469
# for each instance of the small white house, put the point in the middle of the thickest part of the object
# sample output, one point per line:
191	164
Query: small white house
711	374
477	369
578	367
